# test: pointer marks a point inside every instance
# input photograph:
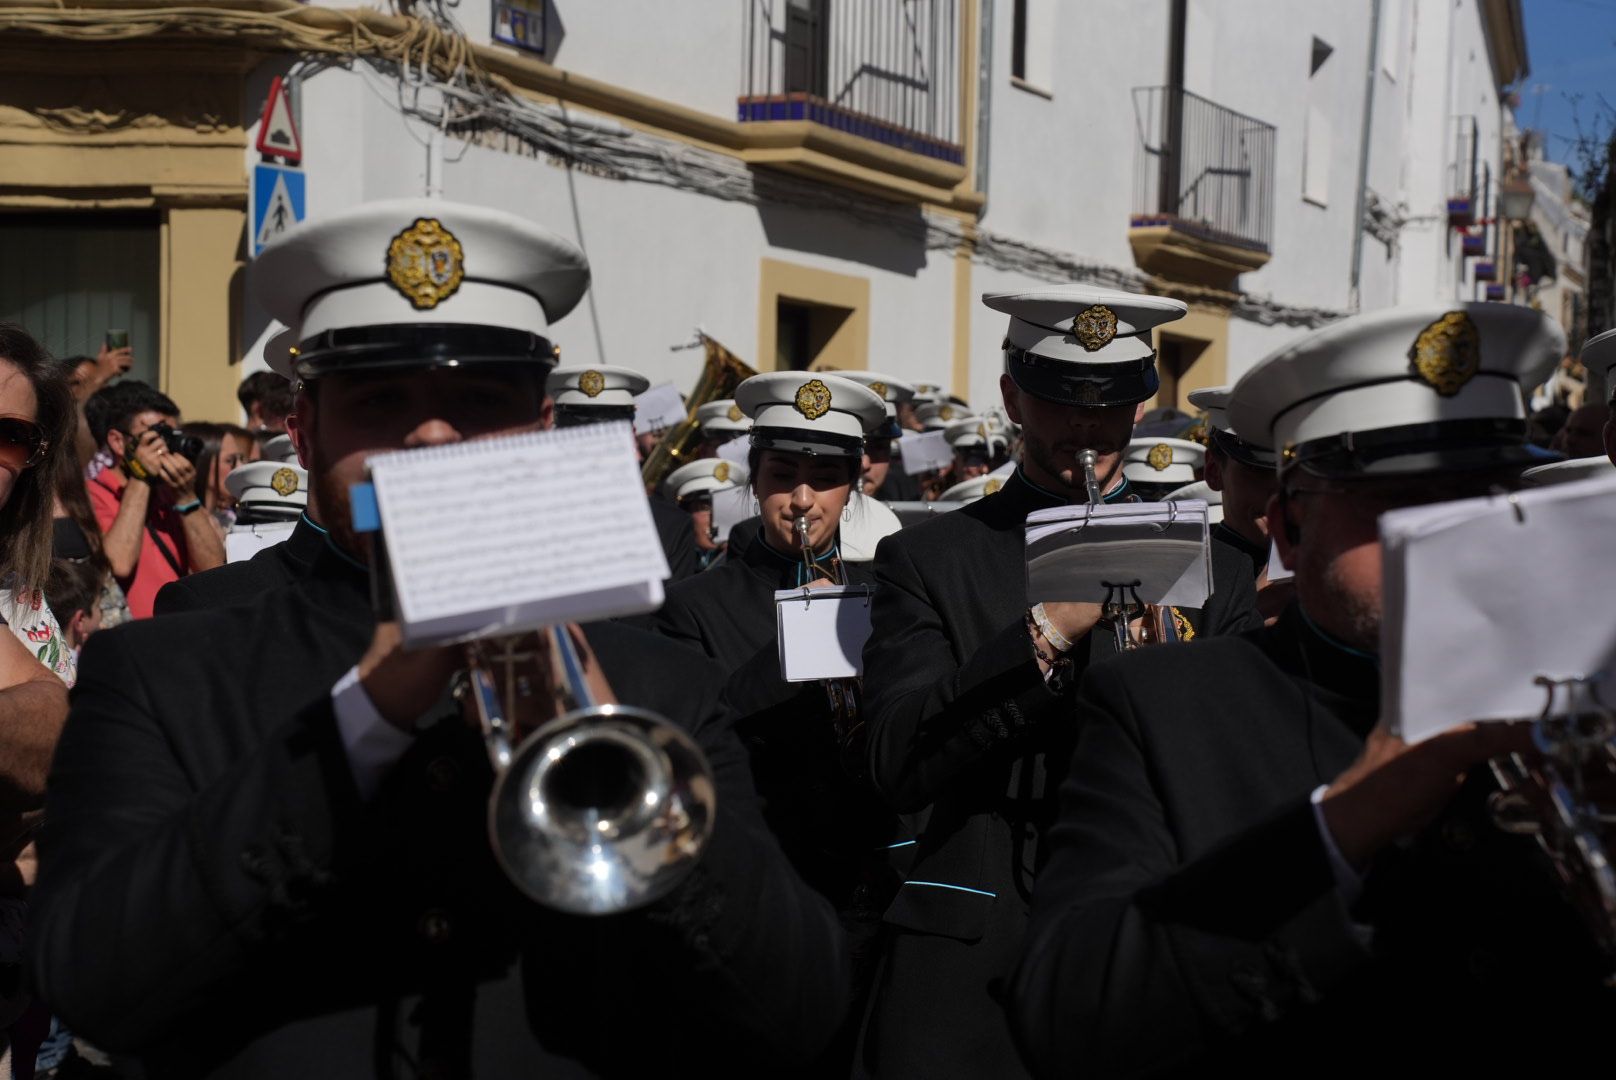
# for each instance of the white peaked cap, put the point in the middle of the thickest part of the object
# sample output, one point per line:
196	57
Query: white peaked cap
1162	461
808	413
599	387
1403	390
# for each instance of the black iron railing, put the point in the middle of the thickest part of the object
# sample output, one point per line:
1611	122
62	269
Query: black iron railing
886	70
1203	169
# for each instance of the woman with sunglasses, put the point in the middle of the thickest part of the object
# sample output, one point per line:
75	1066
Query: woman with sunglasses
36	426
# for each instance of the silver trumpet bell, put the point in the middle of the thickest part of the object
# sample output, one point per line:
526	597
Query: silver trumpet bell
603	809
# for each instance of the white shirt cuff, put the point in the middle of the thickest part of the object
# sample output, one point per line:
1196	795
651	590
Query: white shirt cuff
1347	881
373	745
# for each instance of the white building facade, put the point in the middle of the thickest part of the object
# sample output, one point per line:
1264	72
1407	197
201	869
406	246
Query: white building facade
826	183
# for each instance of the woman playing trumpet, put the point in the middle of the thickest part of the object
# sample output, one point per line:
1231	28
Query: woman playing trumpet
807	449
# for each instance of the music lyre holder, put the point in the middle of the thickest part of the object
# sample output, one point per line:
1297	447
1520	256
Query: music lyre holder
1552	796
1121	607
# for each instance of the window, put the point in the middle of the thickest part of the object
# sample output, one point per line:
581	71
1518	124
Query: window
802	332
1316	132
806	55
73	277
1316	157
1174	358
1018	40
1032	37
811	318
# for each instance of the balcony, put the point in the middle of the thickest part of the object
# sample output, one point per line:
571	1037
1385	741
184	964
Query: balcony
860	92
1203	206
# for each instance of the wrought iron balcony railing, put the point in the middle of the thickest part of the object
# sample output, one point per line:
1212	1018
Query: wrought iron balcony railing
886	70
1203	169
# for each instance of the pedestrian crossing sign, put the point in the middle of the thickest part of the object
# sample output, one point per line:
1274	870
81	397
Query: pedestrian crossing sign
278	202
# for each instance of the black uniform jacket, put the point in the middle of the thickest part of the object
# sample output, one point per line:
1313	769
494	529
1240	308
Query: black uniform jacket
678	538
239	582
1188	916
1257	554
215	897
827	821
962	721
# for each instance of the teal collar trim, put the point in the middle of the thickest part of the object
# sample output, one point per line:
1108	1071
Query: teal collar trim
1335	643
1116	494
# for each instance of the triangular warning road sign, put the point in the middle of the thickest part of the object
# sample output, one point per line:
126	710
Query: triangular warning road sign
279	216
277	134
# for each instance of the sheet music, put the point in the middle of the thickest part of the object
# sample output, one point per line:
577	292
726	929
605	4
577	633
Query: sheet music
1480	596
924	450
731	506
822	632
242	542
1074	552
515	533
658	408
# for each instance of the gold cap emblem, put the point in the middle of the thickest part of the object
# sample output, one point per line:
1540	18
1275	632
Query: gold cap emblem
993	484
1447	354
735	412
946	413
284	482
1160	456
982	430
878	387
1094	327
1089	393
721	471
813	399
425	263
592	382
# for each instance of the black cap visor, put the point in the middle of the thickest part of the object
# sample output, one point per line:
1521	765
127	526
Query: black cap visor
1444	446
1070	382
796	441
418	346
1232	445
579	415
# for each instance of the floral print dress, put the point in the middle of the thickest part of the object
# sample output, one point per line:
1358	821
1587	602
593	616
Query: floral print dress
30	619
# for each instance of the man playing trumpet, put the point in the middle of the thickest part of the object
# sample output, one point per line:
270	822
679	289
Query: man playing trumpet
267	852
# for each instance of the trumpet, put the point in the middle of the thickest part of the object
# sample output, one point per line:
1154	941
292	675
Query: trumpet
601	810
844	695
1122	606
1563	797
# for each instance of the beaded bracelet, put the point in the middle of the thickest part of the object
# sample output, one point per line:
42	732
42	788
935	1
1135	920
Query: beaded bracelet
1054	662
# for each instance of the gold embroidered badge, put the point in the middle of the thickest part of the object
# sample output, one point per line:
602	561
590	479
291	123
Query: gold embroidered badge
721	471
284	482
878	388
1186	632
1094	327
1160	456
946	413
425	263
735	412
592	382
993	484
813	399
1447	354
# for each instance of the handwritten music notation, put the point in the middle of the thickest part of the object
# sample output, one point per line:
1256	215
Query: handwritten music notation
500	532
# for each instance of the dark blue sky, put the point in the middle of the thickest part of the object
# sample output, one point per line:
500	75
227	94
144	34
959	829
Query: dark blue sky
1572	48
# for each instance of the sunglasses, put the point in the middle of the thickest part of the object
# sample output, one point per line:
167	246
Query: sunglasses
22	443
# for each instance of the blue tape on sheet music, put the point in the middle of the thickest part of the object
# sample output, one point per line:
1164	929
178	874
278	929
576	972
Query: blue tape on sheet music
362	500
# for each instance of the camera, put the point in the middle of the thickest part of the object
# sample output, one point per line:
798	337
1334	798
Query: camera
178	442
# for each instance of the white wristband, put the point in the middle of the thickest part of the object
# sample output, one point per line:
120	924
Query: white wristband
1057	640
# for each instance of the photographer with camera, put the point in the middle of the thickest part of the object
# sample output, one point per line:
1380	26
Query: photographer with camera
147	504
